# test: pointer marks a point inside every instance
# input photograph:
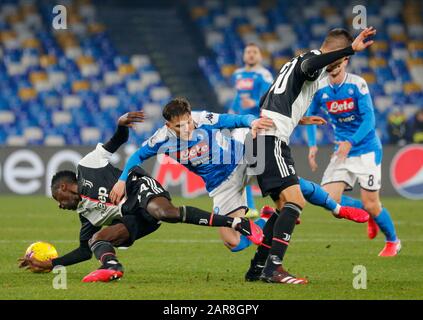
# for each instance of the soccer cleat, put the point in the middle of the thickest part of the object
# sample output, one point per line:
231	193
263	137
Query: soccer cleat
391	249
353	214
266	212
249	229
274	273
254	273
372	228
103	275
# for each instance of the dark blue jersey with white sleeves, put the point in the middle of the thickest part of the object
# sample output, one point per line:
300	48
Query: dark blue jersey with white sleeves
209	153
251	84
349	108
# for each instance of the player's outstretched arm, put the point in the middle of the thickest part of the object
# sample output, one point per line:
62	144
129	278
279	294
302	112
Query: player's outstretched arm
318	62
76	256
122	133
148	149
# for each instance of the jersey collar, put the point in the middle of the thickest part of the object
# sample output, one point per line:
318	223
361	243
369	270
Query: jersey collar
341	84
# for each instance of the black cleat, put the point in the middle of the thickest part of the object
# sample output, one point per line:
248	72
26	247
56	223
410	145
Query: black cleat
253	274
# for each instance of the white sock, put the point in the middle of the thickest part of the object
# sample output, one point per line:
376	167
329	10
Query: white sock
337	209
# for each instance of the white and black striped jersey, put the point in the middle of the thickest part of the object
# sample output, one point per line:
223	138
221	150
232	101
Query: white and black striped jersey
96	178
288	98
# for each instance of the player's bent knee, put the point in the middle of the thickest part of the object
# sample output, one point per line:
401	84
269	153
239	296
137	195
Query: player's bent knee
372	207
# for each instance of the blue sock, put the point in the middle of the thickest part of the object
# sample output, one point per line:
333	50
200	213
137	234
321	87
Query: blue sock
250	197
316	195
351	202
243	241
386	225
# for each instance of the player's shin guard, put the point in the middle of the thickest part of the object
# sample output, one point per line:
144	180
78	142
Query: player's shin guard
284	226
105	253
316	195
351	202
384	221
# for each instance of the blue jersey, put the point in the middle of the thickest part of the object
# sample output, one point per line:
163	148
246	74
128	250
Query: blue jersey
209	153
350	110
251	84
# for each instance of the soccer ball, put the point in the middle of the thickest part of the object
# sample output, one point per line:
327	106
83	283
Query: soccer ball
41	251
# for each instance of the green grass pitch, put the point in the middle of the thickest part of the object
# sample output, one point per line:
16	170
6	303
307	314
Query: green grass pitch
189	262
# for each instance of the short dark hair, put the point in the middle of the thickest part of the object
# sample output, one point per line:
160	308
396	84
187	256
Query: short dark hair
338	35
175	108
62	176
252	44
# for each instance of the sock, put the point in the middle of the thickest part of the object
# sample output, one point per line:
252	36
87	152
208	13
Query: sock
316	195
192	215
351	202
243	241
263	250
250	197
384	222
284	226
105	253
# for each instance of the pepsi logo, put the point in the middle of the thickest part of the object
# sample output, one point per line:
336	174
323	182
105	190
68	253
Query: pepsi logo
340	106
407	172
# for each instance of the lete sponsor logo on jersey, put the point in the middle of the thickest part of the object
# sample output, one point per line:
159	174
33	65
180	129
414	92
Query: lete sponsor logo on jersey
340	106
245	84
407	172
197	151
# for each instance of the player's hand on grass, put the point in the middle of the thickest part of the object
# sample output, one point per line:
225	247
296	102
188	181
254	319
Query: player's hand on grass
312	158
30	263
359	43
117	192
312	120
344	148
130	118
261	124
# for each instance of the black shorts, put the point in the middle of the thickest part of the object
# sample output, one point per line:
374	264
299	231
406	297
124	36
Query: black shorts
140	189
138	225
279	169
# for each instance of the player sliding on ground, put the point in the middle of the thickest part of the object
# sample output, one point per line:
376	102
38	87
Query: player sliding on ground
195	140
147	203
286	102
346	100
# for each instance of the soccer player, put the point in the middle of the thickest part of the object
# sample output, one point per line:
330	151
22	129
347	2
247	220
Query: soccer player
286	102
146	205
195	140
346	100
251	82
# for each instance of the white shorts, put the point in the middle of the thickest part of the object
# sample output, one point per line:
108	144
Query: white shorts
362	168
230	195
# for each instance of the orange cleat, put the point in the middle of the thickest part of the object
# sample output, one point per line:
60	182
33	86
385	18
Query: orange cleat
103	275
372	228
391	249
353	214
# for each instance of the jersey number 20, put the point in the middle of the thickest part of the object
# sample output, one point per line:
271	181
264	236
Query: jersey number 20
280	84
